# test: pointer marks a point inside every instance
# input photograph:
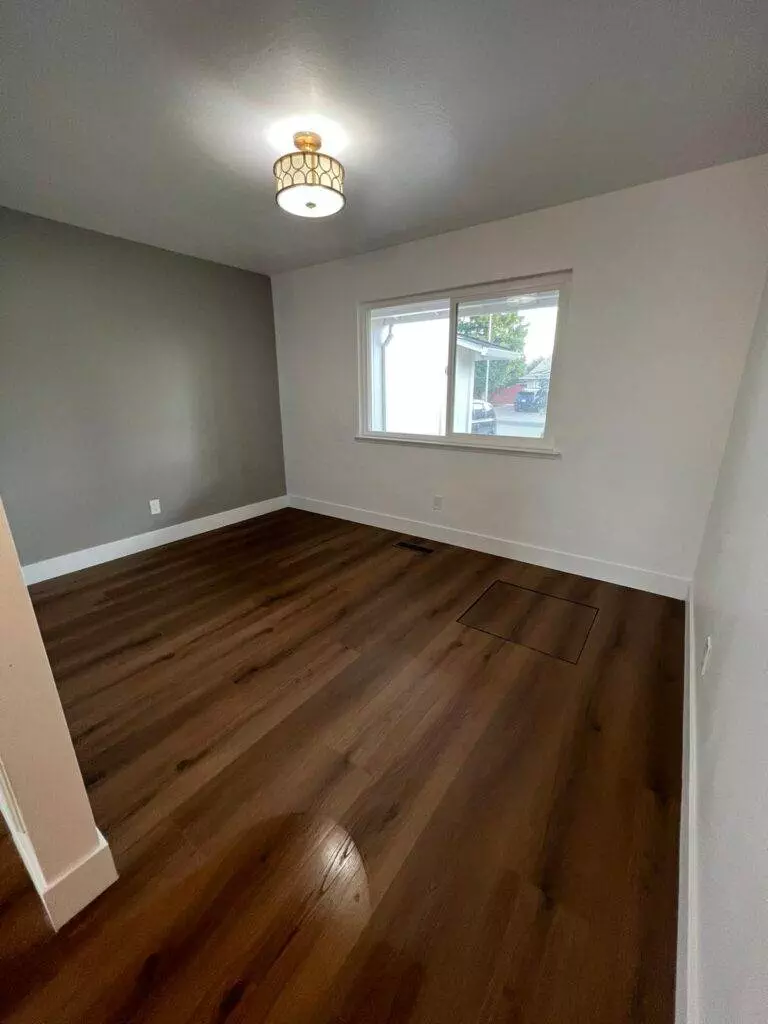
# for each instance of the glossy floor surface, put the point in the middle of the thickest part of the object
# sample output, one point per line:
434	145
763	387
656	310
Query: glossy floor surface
331	801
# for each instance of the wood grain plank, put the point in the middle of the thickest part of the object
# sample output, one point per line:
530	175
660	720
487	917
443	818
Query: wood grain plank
330	801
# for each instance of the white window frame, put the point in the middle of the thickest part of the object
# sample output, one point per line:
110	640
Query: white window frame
542	446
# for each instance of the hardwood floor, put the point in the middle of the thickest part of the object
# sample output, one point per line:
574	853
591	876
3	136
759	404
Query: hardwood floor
331	801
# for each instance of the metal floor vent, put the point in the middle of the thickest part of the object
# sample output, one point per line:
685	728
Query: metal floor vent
415	545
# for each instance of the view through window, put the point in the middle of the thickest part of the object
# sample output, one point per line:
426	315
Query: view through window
503	365
490	376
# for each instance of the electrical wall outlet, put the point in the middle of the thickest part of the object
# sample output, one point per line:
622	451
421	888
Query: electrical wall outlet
154	506
706	655
437	503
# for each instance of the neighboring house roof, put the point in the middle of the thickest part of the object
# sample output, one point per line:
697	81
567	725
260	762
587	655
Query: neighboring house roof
539	372
485	351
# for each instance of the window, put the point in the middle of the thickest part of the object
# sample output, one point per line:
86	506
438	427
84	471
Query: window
469	367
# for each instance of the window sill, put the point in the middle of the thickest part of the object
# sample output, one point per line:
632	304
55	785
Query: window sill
543	452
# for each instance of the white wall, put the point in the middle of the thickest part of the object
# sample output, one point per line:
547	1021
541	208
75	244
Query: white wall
731	605
666	282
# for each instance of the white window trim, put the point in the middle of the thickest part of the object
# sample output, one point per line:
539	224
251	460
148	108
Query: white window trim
536	446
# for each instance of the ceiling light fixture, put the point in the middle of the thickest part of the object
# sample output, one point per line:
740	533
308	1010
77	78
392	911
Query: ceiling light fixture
309	183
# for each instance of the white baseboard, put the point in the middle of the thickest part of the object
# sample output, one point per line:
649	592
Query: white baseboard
80	885
75	888
594	568
582	565
687	987
36	572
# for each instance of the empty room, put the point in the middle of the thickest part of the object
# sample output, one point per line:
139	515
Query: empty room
383	502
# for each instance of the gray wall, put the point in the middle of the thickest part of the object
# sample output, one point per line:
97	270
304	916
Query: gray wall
731	606
128	373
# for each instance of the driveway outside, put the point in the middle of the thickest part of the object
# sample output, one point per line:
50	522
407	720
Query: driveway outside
518	424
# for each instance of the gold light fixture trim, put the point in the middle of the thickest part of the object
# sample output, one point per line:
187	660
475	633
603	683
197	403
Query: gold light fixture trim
309	183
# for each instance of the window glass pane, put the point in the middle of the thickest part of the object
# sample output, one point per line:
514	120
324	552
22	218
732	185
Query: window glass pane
408	360
503	363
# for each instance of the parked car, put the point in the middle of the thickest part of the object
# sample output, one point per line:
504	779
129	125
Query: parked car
531	401
483	417
525	401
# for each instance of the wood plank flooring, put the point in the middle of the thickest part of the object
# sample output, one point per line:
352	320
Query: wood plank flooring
330	801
